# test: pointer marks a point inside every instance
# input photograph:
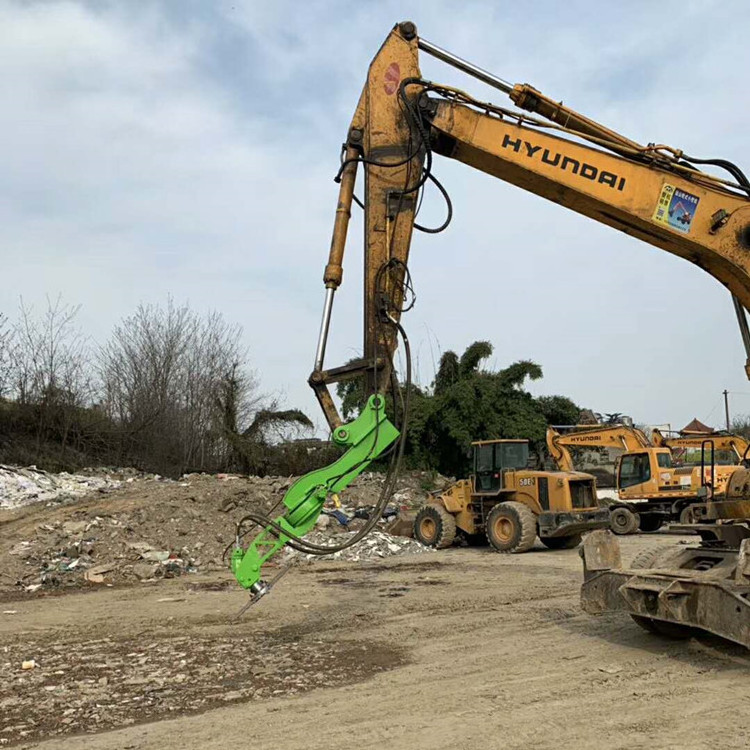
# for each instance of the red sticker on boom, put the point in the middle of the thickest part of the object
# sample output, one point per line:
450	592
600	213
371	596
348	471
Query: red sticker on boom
392	78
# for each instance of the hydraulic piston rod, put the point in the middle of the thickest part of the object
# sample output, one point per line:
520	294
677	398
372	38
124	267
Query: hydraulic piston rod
744	330
465	66
325	324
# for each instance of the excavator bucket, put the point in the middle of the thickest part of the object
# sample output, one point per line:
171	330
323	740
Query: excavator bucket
688	589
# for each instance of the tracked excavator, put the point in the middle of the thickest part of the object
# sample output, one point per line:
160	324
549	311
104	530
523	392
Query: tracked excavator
655	193
650	489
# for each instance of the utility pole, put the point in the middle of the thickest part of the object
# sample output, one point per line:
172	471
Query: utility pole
726	406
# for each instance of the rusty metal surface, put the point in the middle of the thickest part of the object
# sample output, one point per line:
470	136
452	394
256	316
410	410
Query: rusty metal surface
701	587
601	551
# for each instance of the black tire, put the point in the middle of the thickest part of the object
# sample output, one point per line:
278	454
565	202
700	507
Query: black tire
434	526
475	540
650	522
623	521
562	542
666	629
687	515
511	527
650	558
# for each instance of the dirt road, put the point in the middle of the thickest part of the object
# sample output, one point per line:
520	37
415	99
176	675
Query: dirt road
454	649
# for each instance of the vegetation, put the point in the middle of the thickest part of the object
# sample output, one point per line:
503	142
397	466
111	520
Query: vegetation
169	392
741	425
466	403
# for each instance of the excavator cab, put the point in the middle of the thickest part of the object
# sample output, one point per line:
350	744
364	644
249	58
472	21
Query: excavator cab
493	457
638	469
650	471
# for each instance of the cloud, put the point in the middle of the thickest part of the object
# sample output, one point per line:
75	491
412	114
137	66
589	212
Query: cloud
188	148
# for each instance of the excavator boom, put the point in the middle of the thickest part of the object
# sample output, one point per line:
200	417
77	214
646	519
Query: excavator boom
650	192
721	441
617	436
402	121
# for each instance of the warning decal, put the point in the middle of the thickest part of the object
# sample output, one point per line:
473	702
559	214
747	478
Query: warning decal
392	78
676	208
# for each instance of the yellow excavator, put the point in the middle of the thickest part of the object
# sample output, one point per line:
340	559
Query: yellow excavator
655	193
650	489
730	449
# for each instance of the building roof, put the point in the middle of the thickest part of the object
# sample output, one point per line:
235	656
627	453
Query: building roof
695	427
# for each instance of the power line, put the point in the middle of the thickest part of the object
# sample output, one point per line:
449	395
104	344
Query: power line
705	419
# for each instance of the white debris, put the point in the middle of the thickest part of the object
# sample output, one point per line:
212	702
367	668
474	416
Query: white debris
24	486
375	545
607	496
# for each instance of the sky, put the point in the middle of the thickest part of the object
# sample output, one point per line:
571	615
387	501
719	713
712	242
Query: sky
188	148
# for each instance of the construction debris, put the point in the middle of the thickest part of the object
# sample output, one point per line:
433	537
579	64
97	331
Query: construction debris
139	528
22	486
113	682
377	544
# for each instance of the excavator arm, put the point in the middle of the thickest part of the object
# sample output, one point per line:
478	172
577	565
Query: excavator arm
722	441
620	437
654	193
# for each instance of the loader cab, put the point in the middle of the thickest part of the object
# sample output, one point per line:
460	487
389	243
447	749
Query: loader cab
493	457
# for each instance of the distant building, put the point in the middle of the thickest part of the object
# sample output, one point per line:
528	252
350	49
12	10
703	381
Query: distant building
696	427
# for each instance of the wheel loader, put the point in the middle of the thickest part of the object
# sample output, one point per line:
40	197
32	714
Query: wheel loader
510	505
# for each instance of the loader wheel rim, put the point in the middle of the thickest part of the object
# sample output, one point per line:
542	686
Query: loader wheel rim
503	529
620	520
428	528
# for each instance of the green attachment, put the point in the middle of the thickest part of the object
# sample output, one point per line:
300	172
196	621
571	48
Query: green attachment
368	436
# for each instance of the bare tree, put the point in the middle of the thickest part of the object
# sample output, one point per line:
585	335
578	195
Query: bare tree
161	372
50	369
7	355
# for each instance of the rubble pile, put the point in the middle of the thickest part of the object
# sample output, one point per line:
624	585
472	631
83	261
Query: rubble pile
23	486
138	528
377	544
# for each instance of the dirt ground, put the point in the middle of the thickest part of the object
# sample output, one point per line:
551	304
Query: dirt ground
461	648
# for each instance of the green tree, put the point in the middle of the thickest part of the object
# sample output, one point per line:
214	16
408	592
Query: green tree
467	403
559	410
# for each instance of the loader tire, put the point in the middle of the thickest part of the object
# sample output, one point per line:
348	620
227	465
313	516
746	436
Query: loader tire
434	526
623	521
511	527
562	542
650	558
687	515
650	522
